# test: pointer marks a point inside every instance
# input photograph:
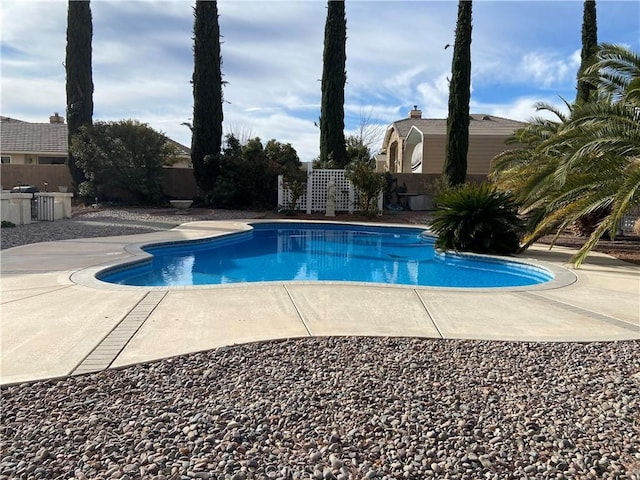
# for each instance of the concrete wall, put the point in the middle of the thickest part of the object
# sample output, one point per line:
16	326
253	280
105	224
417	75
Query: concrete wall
17	207
177	182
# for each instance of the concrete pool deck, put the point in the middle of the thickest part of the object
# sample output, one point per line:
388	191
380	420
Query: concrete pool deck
58	320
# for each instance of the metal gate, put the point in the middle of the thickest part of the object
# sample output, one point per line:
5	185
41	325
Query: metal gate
45	207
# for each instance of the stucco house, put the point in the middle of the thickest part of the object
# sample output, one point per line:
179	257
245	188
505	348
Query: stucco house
26	143
418	145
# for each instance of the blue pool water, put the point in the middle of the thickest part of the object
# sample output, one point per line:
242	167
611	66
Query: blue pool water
322	252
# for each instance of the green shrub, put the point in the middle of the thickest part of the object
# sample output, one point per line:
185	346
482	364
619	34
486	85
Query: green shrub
477	218
362	175
296	181
122	160
7	224
249	172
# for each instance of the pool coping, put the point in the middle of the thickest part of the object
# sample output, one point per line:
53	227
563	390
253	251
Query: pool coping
562	277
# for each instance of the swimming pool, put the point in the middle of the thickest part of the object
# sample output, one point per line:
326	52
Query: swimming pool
288	251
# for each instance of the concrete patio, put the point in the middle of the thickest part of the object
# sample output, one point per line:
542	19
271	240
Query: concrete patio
58	320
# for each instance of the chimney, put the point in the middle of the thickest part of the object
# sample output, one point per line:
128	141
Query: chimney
55	118
415	113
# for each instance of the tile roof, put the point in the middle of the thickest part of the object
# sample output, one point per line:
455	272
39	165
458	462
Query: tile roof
480	124
182	150
17	136
9	119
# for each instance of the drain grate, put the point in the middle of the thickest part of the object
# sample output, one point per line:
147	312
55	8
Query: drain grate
103	355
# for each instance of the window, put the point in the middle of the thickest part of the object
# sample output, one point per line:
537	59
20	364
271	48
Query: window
5	159
52	160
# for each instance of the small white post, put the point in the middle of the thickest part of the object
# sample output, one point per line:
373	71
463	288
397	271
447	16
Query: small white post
309	186
280	192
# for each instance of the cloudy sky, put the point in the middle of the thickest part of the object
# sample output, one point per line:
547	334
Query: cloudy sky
522	52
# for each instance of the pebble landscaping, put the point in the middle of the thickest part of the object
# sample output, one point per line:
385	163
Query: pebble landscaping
327	408
338	408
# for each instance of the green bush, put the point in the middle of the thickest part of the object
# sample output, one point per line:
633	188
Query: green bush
249	173
477	218
362	175
295	180
7	224
122	160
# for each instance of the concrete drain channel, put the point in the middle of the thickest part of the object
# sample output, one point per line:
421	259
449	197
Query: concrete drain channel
103	355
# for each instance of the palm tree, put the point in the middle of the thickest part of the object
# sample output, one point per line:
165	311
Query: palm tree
590	164
616	73
528	170
598	173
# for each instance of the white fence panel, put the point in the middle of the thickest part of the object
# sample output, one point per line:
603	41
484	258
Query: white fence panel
315	198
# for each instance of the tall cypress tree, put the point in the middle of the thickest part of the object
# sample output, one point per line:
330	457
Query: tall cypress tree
79	83
334	77
455	165
589	50
206	139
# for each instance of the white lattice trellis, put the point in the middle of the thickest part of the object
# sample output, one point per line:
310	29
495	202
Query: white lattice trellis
315	199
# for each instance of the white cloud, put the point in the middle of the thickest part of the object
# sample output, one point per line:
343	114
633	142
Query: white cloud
547	69
272	60
523	108
435	97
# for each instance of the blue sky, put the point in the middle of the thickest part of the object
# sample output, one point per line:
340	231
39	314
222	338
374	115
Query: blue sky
522	52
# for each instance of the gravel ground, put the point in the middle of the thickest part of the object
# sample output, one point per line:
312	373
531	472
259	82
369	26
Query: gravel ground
328	408
338	408
110	222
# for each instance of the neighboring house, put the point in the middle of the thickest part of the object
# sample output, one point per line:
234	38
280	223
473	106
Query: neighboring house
183	156
25	143
418	145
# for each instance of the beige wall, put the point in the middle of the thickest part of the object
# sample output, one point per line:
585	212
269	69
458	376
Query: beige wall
15	174
482	149
17	158
177	182
29	158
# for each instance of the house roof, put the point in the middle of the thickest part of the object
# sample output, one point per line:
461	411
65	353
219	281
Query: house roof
480	124
182	150
17	136
9	119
